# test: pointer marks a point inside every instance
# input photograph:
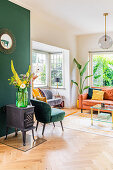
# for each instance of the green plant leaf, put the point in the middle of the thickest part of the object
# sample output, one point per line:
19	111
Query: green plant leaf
85	79
86	87
74	82
88	76
97	76
84	69
80	91
78	65
95	68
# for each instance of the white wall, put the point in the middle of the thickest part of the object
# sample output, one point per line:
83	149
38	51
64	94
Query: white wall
44	31
86	43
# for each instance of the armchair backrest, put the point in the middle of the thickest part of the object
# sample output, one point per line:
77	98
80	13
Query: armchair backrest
42	111
49	94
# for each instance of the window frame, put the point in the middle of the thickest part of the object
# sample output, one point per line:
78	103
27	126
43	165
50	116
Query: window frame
48	70
90	67
59	87
42	52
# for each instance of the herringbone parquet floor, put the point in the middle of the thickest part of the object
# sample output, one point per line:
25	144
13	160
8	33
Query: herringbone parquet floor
68	150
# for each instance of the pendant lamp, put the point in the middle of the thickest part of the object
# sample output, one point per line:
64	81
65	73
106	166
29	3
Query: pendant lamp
105	41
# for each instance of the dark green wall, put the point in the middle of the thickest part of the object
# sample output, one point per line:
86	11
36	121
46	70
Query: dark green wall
17	20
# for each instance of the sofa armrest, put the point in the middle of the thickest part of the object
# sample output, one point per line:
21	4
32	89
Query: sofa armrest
81	98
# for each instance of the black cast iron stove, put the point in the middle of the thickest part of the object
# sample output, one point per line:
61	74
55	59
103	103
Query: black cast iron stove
20	118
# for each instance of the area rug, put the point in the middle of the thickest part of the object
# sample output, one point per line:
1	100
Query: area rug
16	142
70	114
82	122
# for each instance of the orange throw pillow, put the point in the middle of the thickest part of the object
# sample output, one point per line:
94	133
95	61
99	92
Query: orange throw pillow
41	98
35	93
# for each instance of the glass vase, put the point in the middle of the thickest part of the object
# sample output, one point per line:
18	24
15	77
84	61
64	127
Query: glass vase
22	97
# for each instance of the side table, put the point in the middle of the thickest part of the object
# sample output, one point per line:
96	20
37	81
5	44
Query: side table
62	97
21	118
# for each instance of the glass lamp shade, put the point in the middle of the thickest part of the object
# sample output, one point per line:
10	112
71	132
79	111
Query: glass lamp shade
105	44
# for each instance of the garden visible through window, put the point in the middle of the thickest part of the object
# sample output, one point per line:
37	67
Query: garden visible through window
102	70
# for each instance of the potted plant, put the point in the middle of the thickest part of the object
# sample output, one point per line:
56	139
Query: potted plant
82	70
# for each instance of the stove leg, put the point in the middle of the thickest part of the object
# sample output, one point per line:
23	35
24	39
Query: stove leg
6	132
37	125
24	138
33	134
16	132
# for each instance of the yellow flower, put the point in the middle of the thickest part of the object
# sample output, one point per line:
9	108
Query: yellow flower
15	74
19	83
28	73
24	82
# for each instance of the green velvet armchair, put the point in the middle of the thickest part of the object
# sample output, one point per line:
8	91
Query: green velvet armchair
45	114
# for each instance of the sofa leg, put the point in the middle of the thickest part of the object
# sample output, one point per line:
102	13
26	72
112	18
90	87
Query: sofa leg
43	128
37	125
81	110
62	126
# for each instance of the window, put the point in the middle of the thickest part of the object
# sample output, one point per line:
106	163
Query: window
56	69
48	66
102	65
39	67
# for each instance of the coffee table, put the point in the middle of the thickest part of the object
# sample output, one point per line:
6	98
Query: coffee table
100	108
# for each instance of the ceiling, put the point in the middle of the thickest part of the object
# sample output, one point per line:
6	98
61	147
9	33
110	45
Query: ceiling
45	48
82	16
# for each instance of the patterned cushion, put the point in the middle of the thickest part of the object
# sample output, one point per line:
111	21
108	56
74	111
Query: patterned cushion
41	93
98	95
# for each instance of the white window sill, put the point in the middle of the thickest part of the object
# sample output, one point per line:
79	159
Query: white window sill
47	87
58	88
43	87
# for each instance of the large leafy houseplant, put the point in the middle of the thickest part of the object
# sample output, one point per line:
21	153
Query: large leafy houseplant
81	86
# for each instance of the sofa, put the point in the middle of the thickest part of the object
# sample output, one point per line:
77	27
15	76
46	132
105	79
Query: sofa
51	100
85	102
46	96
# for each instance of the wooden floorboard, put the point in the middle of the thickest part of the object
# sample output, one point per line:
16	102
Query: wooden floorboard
68	150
